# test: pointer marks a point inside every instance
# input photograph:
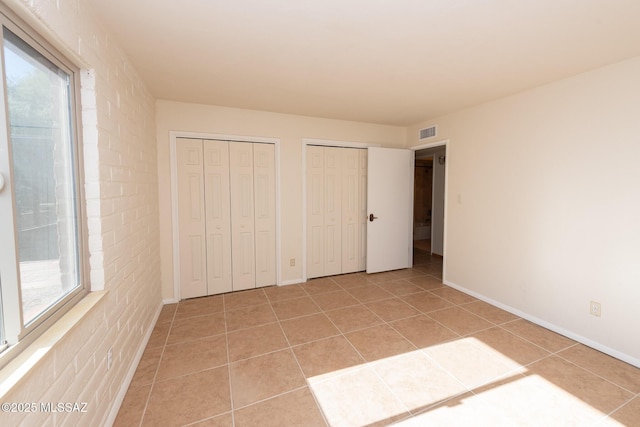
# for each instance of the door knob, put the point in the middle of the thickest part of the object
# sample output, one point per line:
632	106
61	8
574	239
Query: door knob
372	217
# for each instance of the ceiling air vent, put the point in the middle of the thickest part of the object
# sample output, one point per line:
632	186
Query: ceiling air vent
428	132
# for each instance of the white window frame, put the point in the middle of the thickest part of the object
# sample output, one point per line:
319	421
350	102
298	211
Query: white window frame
14	335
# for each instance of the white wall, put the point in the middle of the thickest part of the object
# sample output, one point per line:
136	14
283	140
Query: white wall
548	219
290	129
122	207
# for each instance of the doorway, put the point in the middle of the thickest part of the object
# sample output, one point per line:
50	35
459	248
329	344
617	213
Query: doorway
429	199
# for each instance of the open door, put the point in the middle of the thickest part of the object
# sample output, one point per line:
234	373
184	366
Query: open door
390	209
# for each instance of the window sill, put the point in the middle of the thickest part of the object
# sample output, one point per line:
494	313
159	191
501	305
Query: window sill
19	368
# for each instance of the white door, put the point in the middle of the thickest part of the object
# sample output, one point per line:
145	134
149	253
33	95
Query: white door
362	213
315	211
191	214
218	216
264	177
350	211
390	206
242	212
333	210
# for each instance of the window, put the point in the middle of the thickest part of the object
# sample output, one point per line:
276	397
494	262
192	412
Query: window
41	248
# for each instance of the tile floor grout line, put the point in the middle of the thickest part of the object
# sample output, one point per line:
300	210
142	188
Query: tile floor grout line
293	354
525	339
439	365
439	323
302	387
552	352
208	418
226	337
347	339
372	369
557	354
155	375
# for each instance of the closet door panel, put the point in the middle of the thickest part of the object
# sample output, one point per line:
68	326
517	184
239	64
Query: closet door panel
315	212
265	213
350	210
218	216
242	214
333	210
191	217
362	210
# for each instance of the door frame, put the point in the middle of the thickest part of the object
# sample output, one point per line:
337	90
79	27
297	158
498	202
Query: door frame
323	143
436	144
173	160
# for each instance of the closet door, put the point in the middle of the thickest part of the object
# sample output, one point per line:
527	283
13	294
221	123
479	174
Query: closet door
332	210
350	210
218	216
242	214
191	216
264	184
362	213
324	212
315	212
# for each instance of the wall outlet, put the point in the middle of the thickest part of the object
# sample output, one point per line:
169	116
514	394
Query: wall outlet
292	262
595	308
109	358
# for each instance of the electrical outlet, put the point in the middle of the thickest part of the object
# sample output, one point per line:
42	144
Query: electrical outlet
109	358
292	262
595	308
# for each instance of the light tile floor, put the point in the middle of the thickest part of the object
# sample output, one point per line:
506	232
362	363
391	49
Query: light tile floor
368	350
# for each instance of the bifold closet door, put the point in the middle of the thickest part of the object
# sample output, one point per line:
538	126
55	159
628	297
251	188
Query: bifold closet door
315	211
333	210
218	216
242	214
227	216
336	210
191	214
324	211
350	210
362	206
264	184
253	214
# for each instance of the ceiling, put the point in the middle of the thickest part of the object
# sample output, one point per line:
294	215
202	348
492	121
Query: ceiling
394	62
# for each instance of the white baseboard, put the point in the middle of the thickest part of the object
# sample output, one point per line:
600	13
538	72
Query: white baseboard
170	301
555	328
292	282
119	398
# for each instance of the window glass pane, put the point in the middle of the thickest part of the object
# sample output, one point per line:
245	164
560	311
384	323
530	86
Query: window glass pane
43	170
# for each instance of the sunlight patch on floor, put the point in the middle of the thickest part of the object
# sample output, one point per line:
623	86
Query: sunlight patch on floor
462	382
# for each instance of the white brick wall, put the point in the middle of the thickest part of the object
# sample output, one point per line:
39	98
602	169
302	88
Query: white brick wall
120	163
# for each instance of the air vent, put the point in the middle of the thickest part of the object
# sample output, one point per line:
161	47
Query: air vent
428	132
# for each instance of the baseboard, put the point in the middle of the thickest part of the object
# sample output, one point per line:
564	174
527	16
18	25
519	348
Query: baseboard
119	398
170	301
292	282
548	325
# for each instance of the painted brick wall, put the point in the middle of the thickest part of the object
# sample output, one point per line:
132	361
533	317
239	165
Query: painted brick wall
120	165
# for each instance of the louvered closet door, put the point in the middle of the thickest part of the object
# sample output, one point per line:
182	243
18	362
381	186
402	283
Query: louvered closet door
350	210
242	215
218	216
191	215
264	179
